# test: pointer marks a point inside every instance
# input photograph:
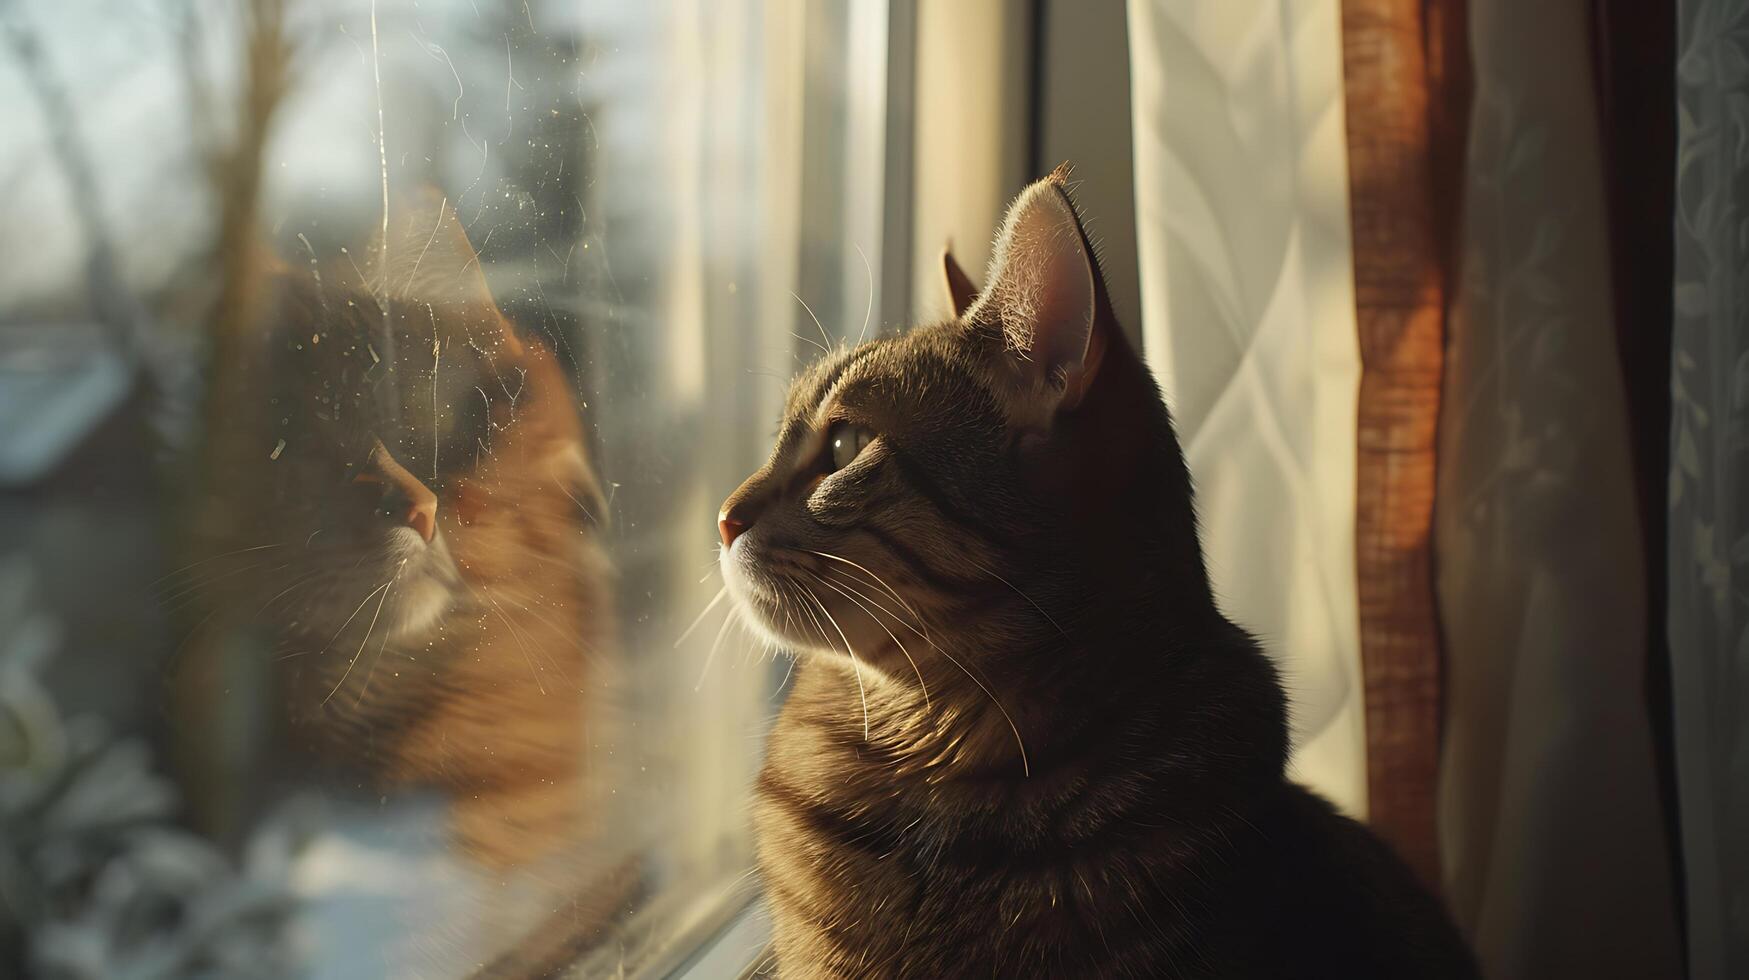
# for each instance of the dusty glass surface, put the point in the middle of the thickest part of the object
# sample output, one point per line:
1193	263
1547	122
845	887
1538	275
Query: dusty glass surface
370	375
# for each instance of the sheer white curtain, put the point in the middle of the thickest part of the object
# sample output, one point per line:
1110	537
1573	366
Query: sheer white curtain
1248	320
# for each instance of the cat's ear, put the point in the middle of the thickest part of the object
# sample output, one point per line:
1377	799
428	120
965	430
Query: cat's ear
571	467
1044	292
960	291
428	256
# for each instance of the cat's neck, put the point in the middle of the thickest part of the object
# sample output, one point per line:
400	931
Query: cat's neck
968	716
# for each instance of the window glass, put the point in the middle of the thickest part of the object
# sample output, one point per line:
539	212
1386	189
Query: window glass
370	376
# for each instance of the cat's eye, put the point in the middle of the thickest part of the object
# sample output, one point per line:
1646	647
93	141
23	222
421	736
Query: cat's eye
844	443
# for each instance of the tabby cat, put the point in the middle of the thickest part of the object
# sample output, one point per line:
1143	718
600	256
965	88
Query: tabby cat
403	510
1022	739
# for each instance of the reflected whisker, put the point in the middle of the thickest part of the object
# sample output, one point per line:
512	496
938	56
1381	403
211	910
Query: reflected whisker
213	558
195	585
517	634
384	589
305	580
567	635
373	663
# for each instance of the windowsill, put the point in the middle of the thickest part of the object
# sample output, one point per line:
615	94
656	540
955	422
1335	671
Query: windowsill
738	950
720	933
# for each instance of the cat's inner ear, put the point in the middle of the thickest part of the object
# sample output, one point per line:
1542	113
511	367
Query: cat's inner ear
1043	291
960	291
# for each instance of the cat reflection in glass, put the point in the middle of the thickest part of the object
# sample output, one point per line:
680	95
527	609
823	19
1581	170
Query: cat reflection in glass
401	550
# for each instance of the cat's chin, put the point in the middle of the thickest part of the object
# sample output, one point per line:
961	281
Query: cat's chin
422	605
760	605
769	603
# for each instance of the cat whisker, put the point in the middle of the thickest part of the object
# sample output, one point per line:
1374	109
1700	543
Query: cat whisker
176	655
1041	610
305	580
786	675
372	672
173	593
1020	743
712	655
809	340
823	335
702	614
794	595
566	635
384	589
854	584
855	664
877	582
788	596
517	634
560	483
354	615
895	637
534	556
1025	766
868	314
213	558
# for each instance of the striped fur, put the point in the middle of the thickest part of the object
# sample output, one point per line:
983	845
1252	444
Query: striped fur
1023	740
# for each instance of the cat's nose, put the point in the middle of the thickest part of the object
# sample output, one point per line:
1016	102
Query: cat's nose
741	509
418	513
731	526
404	498
737	515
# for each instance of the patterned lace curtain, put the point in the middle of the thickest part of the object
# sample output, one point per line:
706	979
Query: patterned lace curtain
1550	827
1709	480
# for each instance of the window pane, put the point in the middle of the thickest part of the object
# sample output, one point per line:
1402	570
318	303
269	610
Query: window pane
370	376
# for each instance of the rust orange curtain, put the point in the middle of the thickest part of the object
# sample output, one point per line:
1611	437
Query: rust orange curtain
1406	92
1500	156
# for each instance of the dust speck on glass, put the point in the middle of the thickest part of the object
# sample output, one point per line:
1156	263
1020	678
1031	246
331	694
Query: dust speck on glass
370	374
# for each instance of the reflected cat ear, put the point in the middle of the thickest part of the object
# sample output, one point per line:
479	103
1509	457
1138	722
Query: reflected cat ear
960	291
571	467
428	256
1044	292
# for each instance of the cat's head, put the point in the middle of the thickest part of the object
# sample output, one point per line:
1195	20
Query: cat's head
995	482
377	440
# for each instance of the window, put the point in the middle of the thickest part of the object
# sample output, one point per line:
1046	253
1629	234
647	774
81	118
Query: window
209	345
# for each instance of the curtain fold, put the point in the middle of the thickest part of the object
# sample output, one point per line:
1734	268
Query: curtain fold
1248	322
1709	480
1551	831
1376	253
1399	291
